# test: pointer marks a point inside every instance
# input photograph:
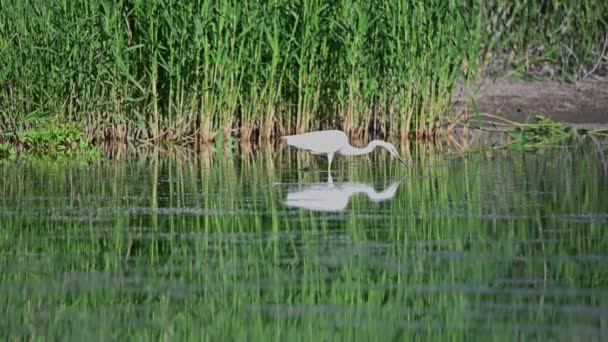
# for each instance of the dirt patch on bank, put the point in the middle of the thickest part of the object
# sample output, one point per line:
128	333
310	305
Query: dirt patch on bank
582	103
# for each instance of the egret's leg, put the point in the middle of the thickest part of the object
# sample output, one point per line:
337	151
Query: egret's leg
330	157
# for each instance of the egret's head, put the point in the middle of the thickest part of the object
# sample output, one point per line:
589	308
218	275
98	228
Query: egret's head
391	149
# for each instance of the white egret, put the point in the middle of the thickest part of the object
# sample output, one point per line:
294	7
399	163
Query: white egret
334	142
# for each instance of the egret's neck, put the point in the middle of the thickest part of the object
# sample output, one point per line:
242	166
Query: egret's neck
356	151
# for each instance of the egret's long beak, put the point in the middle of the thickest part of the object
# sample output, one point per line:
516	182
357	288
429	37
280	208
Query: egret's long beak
400	159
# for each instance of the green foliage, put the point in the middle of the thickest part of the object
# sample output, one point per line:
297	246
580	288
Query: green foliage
542	133
175	70
55	138
7	151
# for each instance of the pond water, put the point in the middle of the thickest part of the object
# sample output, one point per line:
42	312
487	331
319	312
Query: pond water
487	245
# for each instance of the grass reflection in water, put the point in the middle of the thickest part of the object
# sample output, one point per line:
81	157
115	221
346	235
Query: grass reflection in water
499	245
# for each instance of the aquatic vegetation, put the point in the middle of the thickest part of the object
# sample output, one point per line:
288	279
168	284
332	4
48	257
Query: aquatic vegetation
174	71
535	133
542	133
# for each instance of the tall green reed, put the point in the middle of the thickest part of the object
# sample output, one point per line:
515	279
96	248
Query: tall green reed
166	70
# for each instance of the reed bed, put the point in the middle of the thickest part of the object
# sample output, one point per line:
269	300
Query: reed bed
203	70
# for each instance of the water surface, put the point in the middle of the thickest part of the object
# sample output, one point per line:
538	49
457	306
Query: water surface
490	245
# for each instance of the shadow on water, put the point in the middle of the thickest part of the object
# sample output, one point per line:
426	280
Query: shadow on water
490	245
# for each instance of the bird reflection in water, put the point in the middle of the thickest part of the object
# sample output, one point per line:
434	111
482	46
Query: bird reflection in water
332	196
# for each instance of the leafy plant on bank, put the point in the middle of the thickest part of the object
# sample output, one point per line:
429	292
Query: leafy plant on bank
542	133
53	138
7	151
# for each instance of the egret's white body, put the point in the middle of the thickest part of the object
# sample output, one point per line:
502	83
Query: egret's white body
334	142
